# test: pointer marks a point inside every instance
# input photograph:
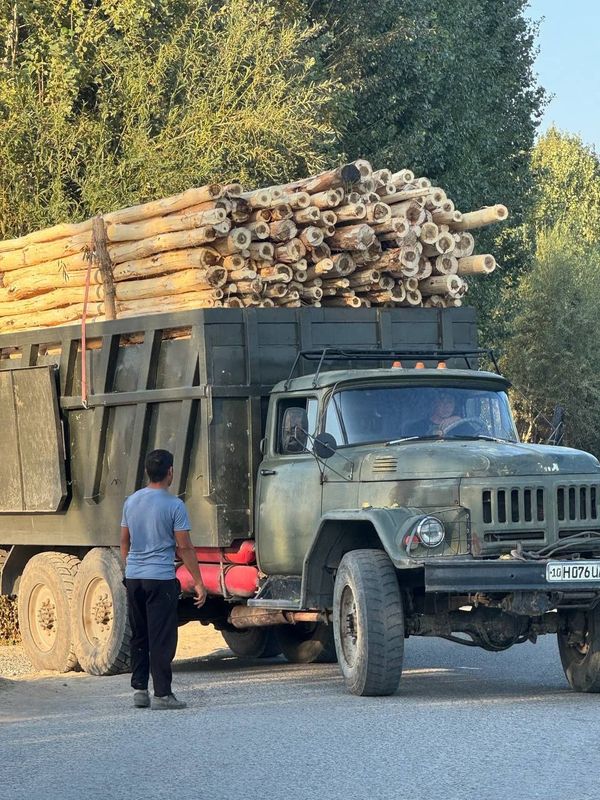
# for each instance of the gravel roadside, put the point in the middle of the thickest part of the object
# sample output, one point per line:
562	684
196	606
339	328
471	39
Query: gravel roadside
14	662
194	641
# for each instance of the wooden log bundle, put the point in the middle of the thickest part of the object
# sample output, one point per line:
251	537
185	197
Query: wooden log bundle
349	237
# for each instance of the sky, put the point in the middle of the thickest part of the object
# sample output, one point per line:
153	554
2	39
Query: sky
568	64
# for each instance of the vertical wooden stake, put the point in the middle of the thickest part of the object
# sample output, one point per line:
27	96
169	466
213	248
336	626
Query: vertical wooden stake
100	240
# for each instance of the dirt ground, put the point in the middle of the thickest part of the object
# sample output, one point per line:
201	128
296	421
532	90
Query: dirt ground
195	641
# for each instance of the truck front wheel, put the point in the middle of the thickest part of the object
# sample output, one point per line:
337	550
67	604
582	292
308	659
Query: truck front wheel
368	621
579	648
99	608
44	607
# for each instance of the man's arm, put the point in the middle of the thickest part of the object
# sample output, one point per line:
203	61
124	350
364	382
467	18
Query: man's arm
185	551
125	543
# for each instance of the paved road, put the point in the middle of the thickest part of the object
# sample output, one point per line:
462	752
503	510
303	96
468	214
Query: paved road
466	724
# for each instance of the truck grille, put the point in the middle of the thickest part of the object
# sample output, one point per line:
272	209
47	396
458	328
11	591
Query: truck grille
577	503
513	506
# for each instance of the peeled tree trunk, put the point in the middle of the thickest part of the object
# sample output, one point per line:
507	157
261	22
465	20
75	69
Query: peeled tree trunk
50	318
478	219
442	284
476	265
53	299
167	205
62	231
160	244
174	283
36	253
352	237
22	286
152	227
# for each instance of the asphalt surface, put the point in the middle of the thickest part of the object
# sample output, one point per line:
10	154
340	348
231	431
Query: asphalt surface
465	724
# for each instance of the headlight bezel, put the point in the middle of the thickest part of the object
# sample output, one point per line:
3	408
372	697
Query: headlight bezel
425	538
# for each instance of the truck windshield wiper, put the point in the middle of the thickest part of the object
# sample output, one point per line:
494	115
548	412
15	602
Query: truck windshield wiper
440	438
417	438
484	437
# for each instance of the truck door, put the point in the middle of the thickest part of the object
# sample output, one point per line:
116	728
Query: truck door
289	489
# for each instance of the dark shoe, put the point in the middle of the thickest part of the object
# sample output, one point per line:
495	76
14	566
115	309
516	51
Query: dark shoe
141	698
167	703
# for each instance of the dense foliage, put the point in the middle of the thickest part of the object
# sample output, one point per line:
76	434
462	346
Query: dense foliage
552	355
106	103
446	88
109	103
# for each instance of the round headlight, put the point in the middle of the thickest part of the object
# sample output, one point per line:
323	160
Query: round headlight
430	531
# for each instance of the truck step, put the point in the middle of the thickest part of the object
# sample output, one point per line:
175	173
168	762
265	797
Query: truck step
279	591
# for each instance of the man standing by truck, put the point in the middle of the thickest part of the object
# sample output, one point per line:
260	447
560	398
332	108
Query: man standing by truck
155	526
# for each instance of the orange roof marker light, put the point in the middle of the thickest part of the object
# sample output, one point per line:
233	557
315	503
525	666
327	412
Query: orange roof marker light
397	365
442	365
419	365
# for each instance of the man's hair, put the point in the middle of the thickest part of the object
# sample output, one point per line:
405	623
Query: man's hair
158	463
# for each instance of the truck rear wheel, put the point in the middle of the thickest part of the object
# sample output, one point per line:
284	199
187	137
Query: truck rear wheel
580	655
307	643
368	621
99	611
252	642
44	608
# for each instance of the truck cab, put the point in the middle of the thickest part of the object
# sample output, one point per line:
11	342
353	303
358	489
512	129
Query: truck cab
418	474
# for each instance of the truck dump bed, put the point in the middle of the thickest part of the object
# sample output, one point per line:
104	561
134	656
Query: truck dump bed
195	383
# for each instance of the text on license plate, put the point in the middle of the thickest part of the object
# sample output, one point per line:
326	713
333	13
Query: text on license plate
573	571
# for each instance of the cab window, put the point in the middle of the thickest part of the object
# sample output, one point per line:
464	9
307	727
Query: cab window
296	423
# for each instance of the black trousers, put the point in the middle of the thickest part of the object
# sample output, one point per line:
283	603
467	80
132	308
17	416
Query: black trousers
153	620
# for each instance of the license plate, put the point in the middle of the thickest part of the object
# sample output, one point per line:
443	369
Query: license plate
572	571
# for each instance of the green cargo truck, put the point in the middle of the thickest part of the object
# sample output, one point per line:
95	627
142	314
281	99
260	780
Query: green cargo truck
353	479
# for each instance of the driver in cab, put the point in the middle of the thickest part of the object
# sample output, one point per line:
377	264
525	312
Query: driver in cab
444	414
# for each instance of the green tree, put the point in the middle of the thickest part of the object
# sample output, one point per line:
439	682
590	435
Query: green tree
567	187
107	104
552	353
552	356
447	88
442	86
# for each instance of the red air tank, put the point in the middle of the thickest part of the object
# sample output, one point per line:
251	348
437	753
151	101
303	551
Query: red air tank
238	580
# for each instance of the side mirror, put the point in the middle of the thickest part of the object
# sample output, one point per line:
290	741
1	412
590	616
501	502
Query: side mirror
293	430
324	445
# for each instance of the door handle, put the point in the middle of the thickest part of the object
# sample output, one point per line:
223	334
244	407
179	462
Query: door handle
268	472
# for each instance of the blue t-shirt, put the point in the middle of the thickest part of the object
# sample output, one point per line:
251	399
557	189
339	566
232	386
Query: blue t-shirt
152	516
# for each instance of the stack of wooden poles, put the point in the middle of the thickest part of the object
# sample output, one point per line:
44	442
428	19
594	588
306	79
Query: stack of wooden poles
352	236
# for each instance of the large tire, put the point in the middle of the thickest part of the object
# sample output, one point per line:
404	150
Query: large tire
44	608
307	643
252	642
581	661
99	613
368	622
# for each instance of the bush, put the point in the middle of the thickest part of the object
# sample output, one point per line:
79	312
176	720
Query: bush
9	625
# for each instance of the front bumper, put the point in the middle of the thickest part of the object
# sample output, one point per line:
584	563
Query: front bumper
467	576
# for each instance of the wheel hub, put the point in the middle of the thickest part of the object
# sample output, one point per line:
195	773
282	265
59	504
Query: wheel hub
349	626
97	611
102	610
46	615
43	617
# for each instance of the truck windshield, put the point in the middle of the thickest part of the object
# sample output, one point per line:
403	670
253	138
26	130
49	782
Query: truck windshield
383	414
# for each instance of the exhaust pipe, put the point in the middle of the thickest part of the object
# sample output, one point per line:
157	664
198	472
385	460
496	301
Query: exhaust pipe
245	617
